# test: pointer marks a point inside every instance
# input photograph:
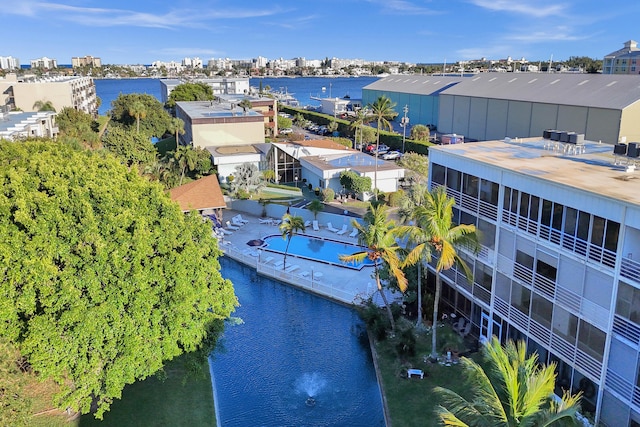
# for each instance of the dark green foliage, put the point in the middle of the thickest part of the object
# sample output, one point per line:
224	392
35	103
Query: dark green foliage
156	121
190	92
393	199
343	141
406	345
131	147
373	316
104	278
354	182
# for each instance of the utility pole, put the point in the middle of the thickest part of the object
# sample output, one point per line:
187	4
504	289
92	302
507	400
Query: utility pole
405	121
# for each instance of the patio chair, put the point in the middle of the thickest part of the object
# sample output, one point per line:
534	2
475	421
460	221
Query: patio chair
292	268
276	221
459	325
232	227
240	219
316	226
463	333
354	233
343	230
265	221
307	223
235	221
279	264
330	227
223	231
268	260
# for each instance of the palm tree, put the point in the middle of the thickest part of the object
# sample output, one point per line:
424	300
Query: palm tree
382	111
417	236
289	228
186	157
378	237
316	206
138	110
245	104
516	391
44	106
434	221
177	125
362	118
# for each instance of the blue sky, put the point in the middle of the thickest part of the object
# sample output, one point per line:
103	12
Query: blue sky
143	31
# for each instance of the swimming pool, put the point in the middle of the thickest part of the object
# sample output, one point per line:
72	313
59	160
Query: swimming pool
316	249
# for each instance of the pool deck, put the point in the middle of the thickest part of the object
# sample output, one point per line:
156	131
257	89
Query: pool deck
342	284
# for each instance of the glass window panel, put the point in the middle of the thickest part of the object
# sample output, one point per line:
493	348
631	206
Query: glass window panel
470	185
557	216
591	340
524	205
541	310
453	179
597	231
564	324
482	275
487	232
438	173
466	218
611	236
489	192
520	297
546	270
584	220
534	208
524	259
455	215
507	199
570	221
503	287
547	210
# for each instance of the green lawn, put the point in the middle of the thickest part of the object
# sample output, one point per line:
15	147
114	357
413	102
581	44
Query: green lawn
412	402
171	403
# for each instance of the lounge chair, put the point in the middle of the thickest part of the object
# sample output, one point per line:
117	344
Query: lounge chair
242	220
279	264
316	227
459	325
235	221
330	227
232	227
265	221
463	333
292	268
276	222
354	233
268	260
223	231
343	230
307	223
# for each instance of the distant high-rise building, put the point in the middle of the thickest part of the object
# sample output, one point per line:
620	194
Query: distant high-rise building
44	62
85	61
9	63
623	61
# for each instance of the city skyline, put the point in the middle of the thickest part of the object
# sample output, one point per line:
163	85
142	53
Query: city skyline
373	30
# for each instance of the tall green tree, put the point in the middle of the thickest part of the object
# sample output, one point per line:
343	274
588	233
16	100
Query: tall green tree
420	133
515	391
416	165
245	104
362	118
15	403
156	122
434	222
291	225
382	111
418	238
187	158
190	92
316	206
131	147
139	111
104	278
177	127
378	236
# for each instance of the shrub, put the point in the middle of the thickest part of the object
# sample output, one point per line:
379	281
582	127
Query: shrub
394	198
243	194
406	345
328	195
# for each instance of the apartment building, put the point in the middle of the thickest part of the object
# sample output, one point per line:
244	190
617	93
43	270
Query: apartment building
219	86
9	63
44	62
559	264
623	61
76	92
86	61
19	125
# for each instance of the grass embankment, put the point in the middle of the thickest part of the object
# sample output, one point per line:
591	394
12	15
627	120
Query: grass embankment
179	400
413	402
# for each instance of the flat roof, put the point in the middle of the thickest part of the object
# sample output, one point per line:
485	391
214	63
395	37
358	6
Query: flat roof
11	120
592	171
213	109
420	85
611	91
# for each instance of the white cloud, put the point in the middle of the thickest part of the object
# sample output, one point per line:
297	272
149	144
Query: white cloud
490	52
403	7
535	9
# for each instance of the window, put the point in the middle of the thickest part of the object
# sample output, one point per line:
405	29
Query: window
524	205
591	340
520	297
547	211
534	208
524	259
489	192
453	179
541	310
482	275
628	302
470	185
597	231
438	173
570	221
510	200
565	324
611	236
557	216
546	270
584	220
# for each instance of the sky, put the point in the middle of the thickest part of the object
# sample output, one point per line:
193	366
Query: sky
416	31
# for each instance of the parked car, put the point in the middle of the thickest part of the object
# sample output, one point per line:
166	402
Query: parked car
371	148
285	131
391	155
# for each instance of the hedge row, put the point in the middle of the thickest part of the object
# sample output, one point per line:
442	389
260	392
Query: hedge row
391	139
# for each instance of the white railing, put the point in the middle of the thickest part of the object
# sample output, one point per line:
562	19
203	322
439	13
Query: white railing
630	269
